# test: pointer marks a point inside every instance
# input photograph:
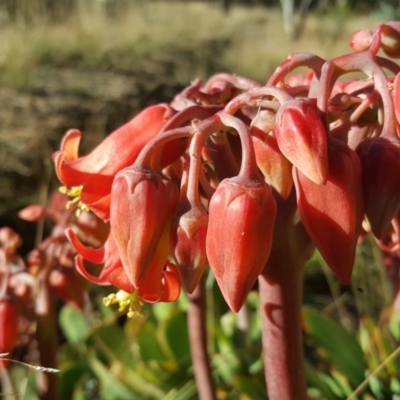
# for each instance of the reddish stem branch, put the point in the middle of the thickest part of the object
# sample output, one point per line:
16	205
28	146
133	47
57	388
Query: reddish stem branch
198	343
46	336
281	286
280	296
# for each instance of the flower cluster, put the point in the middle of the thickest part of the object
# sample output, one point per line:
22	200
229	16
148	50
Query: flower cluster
201	181
28	283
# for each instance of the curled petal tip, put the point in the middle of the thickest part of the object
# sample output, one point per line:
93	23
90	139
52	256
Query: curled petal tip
80	267
70	144
96	256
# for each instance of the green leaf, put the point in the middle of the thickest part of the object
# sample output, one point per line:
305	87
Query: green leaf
228	323
149	346
367	341
316	379
226	364
25	383
162	310
183	302
395	385
110	341
377	387
176	334
111	387
250	386
73	324
337	344
342	382
69	378
257	366
187	392
333	385
394	325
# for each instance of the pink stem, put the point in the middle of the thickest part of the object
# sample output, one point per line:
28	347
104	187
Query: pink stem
46	336
280	286
46	327
175	128
280	297
366	63
198	343
254	98
238	81
248	167
294	61
195	165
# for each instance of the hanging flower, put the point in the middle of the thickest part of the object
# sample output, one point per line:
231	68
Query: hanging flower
239	237
89	178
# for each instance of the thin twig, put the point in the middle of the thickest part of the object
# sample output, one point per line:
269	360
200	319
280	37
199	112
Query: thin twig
376	371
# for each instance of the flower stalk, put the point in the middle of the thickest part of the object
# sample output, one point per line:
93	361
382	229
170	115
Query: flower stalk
198	343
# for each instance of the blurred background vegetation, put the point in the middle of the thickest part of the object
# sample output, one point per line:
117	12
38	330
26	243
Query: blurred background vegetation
92	64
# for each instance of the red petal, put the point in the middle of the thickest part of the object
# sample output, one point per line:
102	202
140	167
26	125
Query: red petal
172	286
95	256
70	144
98	280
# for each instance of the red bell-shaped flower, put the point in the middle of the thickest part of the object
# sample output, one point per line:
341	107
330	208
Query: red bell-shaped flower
68	285
241	220
9	315
161	283
332	213
93	174
142	206
112	272
302	139
188	244
380	159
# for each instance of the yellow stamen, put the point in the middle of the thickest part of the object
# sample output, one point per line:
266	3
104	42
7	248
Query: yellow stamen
131	303
75	193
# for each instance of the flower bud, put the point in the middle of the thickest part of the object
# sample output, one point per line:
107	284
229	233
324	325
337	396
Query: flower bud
390	38
142	205
68	286
396	98
188	243
9	314
10	241
162	283
34	212
241	220
275	167
332	213
361	40
302	138
380	159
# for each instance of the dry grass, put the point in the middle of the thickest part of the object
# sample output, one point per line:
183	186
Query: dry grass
150	30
